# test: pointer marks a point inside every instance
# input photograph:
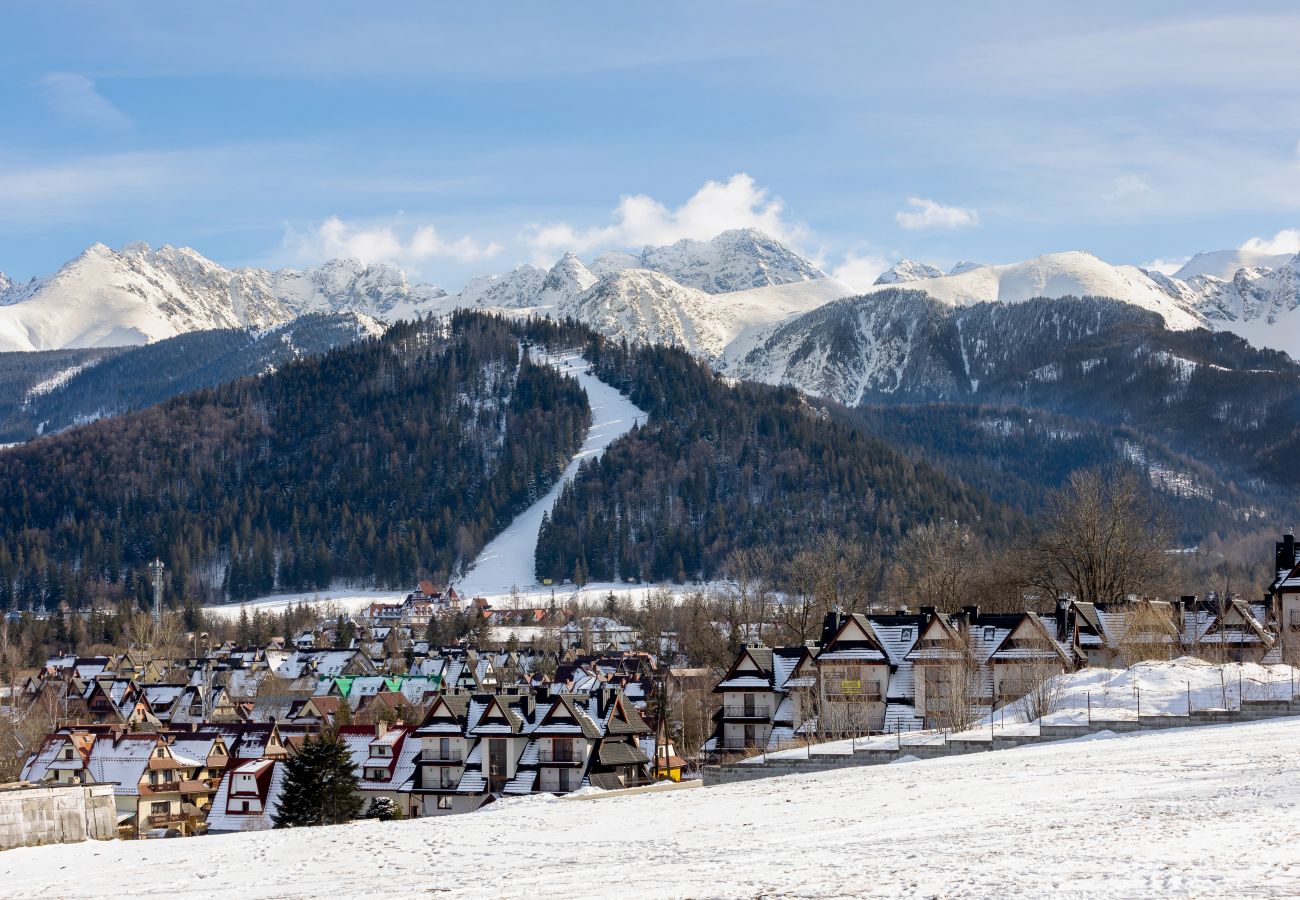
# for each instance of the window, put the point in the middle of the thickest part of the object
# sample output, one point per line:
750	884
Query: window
562	749
446	780
444	803
67	753
988	632
159	809
906	633
160	753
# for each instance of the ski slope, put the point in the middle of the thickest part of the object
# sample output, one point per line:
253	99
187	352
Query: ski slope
508	561
1206	812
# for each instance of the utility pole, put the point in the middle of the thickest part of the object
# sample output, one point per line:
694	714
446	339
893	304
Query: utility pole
157	567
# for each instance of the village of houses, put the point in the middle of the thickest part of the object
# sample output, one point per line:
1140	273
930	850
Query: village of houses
198	745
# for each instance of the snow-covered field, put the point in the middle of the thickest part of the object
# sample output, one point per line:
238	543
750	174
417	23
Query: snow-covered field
508	560
1092	695
1187	812
346	600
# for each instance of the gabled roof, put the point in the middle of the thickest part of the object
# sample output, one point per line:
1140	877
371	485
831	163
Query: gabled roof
853	641
751	670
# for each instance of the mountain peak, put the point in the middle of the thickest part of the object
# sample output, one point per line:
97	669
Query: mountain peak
906	270
735	260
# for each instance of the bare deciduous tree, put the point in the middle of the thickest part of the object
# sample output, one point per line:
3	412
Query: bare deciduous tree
1101	539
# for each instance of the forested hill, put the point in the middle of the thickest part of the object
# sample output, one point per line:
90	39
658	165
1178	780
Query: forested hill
66	387
379	462
722	466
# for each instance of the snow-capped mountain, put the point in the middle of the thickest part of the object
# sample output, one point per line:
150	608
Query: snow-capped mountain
735	260
1071	274
138	295
1223	264
513	290
567	279
906	270
1257	303
901	343
1260	304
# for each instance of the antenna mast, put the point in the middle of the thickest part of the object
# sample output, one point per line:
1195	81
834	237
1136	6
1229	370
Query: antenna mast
157	567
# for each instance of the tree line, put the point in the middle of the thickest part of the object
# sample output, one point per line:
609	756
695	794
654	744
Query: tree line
377	463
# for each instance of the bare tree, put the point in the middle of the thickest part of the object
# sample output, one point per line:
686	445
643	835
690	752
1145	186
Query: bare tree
1101	539
934	565
1147	632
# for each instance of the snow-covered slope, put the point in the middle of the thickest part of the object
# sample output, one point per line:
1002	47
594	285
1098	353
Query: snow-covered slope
138	295
508	562
906	270
1203	812
1223	264
103	298
1060	275
1260	304
736	260
650	307
513	290
1251	294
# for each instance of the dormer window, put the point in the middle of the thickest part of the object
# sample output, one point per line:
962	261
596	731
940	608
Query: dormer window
906	633
988	632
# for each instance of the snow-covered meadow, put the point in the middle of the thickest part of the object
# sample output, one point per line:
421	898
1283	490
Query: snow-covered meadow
1203	812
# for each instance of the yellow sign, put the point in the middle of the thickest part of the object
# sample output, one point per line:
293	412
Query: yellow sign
851	686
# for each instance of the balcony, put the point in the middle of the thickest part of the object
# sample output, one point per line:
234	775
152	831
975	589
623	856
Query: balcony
162	787
550	757
160	820
450	756
743	711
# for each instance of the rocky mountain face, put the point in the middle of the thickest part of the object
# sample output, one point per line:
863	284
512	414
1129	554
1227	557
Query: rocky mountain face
1257	301
906	270
737	260
137	295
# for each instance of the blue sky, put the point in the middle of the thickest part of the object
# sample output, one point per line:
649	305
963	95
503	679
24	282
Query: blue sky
462	141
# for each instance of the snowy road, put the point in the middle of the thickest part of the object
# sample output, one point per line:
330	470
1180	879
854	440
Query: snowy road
1207	812
508	560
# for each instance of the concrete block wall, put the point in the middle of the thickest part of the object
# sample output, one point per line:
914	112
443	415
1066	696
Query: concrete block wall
36	814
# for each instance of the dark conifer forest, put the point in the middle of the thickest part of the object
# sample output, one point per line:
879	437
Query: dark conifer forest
720	467
376	463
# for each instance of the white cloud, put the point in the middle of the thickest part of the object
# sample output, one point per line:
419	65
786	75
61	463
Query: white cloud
73	97
859	271
1127	187
640	219
334	239
929	214
1166	266
1285	241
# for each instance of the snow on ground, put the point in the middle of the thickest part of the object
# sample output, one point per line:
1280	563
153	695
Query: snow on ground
508	559
343	599
1203	812
1105	695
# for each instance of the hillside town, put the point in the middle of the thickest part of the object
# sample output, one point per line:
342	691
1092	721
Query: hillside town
199	744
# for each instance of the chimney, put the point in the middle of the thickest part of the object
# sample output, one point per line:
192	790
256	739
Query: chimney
927	612
972	613
1062	607
381	729
1288	550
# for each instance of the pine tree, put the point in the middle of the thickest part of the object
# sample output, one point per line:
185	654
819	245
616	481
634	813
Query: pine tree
320	785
